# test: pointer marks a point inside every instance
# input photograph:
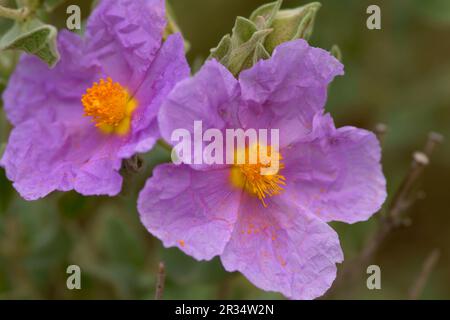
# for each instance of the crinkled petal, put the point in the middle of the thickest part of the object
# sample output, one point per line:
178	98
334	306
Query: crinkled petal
335	173
209	96
99	176
287	90
284	249
41	158
190	209
35	91
123	38
22	159
167	69
124	43
53	146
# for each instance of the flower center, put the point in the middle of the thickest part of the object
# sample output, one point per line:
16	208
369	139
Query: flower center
261	176
110	106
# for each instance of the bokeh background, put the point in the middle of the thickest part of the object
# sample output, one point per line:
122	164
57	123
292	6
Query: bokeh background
399	76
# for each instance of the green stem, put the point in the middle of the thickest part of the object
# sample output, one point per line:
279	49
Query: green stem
14	14
164	145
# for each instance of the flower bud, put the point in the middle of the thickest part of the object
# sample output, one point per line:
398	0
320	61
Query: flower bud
255	38
291	24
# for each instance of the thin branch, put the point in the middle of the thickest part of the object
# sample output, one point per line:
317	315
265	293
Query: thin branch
400	203
14	14
428	266
381	130
164	145
394	218
434	139
402	199
160	279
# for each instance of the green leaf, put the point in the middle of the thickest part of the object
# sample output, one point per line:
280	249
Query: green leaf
267	12
223	49
245	46
292	24
33	37
255	38
241	57
260	53
306	26
243	31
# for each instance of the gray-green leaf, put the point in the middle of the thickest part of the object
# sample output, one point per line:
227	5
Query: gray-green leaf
33	37
267	12
242	32
260	53
221	52
242	57
291	24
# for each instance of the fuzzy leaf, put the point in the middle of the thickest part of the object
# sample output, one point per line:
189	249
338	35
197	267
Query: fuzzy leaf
241	57
260	53
221	52
306	26
267	12
292	24
243	31
33	37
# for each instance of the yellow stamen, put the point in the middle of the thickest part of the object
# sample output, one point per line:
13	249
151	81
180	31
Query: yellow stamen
110	106
250	178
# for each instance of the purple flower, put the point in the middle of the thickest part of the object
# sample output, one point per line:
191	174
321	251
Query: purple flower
278	237
75	123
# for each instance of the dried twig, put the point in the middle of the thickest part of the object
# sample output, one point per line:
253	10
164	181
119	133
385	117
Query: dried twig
394	218
380	130
434	139
403	199
160	279
428	266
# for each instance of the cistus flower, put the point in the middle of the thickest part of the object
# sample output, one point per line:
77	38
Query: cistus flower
278	237
75	123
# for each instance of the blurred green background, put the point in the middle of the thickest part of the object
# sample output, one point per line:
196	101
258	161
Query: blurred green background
399	75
